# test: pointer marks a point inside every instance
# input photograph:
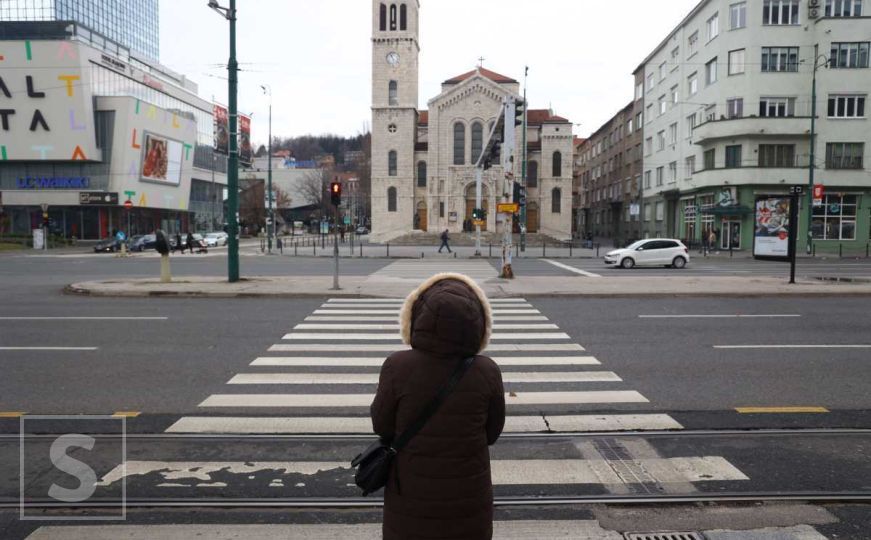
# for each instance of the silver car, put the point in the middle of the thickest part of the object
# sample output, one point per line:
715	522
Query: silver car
653	252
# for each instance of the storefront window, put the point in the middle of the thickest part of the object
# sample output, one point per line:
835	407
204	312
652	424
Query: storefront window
835	219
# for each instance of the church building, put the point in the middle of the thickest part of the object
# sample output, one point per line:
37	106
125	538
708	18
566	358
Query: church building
423	161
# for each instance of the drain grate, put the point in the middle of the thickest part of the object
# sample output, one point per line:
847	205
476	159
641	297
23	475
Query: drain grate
665	536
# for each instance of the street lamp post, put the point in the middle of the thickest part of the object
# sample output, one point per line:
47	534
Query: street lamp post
233	162
270	225
813	144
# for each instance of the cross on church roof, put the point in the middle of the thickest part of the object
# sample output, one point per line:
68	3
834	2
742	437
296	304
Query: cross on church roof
481	61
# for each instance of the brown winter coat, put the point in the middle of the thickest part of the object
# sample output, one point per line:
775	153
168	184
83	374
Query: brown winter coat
440	484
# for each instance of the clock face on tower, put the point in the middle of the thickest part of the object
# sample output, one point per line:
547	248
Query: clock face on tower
393	59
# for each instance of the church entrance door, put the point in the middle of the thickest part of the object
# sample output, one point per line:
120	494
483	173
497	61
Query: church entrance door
422	217
532	218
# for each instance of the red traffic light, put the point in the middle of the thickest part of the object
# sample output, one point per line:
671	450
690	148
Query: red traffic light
336	187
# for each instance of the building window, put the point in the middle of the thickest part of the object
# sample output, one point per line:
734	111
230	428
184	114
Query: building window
646	212
391	128
735	107
693	84
392	17
650	113
849	55
845	155
650	82
780	12
710	158
441	209
736	62
710	113
660	172
776	107
779	59
777	155
646	179
477	142
675	58
556	195
391	163
675	96
459	143
383	12
835	219
843	8
663	105
662	72
847	106
557	164
421	174
672	172
711	72
393	93
391	199
532	174
733	156
660	211
672	134
660	141
692	43
690	165
403	17
738	16
648	146
639	91
691	124
713	27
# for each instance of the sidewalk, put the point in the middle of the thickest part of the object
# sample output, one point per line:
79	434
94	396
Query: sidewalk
536	286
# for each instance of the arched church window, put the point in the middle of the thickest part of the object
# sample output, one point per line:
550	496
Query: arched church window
403	17
477	141
421	174
391	163
556	196
392	17
383	18
532	174
393	93
391	199
459	144
557	164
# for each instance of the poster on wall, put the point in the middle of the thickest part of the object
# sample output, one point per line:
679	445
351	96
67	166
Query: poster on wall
222	130
771	236
162	160
246	154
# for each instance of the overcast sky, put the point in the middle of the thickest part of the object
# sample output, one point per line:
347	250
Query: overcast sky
316	54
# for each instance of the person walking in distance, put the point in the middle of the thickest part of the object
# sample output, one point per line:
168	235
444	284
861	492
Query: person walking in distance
190	242
178	244
439	485
445	244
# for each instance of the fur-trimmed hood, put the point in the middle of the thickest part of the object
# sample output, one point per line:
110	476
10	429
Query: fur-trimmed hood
447	315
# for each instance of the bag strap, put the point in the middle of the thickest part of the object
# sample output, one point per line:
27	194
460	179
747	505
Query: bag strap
433	405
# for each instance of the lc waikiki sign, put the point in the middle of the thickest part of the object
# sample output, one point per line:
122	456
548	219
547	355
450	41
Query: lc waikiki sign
46	110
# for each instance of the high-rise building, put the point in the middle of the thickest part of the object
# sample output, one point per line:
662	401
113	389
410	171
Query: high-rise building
133	24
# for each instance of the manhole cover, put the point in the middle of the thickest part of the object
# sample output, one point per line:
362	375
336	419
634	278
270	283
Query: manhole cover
665	536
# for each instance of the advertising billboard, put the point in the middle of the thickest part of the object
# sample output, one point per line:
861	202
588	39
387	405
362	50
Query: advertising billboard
246	154
162	160
222	130
771	235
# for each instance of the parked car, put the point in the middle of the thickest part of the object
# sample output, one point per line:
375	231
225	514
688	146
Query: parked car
142	243
655	252
108	245
215	239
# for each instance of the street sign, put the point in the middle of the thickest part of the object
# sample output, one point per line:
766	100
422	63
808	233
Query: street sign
819	191
92	198
507	208
128	204
480	222
796	190
347	220
634	209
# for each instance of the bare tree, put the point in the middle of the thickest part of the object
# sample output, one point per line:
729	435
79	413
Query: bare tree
313	188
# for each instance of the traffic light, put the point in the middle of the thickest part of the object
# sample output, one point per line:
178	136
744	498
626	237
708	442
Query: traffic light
336	193
479	214
519	110
45	220
519	194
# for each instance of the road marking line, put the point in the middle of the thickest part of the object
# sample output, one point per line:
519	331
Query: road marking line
365	347
84	318
402	300
307	361
48	348
11	414
376	318
382	306
322	336
496	311
363	425
364	400
505	472
396	327
572	269
773	316
792	346
126	414
781	410
372	378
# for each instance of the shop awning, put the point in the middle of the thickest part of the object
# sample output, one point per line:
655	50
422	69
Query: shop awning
737	210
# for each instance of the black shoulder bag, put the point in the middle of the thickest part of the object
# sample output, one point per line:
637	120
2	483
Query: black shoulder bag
373	464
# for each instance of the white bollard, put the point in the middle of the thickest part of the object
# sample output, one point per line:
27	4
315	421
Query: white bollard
165	275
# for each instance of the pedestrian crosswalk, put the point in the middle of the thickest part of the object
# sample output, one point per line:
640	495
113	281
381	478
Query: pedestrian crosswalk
420	270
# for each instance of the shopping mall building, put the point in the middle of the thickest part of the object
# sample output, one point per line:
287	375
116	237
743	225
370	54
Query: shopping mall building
101	138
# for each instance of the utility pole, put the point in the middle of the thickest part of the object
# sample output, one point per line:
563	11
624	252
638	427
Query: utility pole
523	172
813	144
270	215
233	164
508	150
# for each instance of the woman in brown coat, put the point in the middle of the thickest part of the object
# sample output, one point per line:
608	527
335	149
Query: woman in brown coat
439	486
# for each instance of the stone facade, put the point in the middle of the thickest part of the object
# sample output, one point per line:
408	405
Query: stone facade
423	162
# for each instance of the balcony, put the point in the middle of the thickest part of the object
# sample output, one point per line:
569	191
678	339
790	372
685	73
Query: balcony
795	172
752	126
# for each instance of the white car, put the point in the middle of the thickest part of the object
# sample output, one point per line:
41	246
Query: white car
654	252
216	239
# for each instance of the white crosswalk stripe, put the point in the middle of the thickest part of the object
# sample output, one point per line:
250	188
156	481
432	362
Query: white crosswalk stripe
321	377
421	270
